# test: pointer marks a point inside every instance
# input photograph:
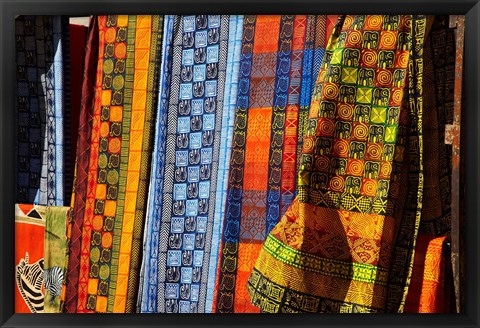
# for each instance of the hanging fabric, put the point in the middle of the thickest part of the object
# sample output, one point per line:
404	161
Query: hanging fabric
82	160
429	289
74	59
346	243
182	200
55	247
29	235
40	109
277	73
118	165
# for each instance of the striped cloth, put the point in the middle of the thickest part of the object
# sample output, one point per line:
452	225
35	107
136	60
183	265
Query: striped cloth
147	295
118	166
228	121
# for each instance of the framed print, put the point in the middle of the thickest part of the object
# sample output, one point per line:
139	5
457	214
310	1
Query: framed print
214	163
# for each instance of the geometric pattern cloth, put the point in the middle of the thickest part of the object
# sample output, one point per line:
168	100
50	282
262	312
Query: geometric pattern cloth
228	122
147	294
182	199
234	164
40	108
277	74
346	243
81	171
429	290
119	164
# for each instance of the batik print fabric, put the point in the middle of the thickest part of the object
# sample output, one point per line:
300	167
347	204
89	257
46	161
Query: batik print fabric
277	65
29	235
55	247
119	157
40	108
82	160
346	243
183	213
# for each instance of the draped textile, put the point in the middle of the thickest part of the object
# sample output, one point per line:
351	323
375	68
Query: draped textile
82	160
29	235
118	164
228	121
430	288
346	243
40	108
55	244
182	204
147	295
277	69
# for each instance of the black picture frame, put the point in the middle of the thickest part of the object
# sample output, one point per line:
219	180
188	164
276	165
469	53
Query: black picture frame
471	104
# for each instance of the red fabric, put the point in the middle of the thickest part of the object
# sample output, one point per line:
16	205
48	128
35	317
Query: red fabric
331	21
82	161
426	293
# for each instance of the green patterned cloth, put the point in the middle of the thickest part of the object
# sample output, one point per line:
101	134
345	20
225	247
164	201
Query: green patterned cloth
54	256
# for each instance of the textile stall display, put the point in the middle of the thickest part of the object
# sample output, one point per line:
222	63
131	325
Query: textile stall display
234	164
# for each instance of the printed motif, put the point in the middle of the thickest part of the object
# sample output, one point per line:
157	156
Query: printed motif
349	178
120	153
55	248
29	279
39	104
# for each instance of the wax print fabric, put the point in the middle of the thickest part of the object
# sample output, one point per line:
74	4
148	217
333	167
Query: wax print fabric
119	157
279	63
346	243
